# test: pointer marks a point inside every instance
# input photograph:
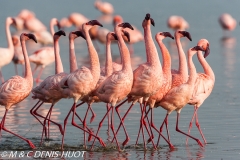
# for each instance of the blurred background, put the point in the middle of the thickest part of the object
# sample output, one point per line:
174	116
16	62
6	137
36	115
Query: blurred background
218	116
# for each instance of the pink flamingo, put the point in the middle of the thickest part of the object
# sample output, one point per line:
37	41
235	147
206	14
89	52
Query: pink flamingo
6	54
167	78
227	22
75	19
17	88
18	56
146	80
82	82
177	23
203	85
44	56
48	91
177	97
104	7
117	86
136	35
179	76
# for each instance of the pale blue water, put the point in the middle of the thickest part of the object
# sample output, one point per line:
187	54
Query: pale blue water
218	116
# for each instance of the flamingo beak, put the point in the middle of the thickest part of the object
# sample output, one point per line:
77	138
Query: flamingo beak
32	36
127	35
115	36
94	22
167	34
60	33
207	51
126	25
79	34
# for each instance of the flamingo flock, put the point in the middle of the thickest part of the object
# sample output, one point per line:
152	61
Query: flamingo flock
151	85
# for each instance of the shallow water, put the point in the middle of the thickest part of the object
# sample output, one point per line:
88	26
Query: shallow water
218	116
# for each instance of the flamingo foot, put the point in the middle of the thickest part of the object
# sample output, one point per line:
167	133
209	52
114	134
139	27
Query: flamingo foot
199	142
126	141
31	144
92	118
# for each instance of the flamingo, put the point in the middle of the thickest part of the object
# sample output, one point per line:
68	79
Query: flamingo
104	7
6	54
227	22
177	97
203	85
167	77
17	88
18	56
177	23
48	91
80	83
117	86
45	55
75	19
136	35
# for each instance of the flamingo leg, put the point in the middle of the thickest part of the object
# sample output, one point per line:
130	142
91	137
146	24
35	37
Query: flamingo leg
3	127
74	124
112	127
59	125
84	124
152	135
32	112
93	114
34	70
178	130
108	118
124	114
1	76
44	122
39	75
190	124
100	125
199	128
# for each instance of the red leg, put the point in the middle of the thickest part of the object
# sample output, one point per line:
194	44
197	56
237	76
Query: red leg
74	124
93	114
100	125
178	130
112	127
190	124
108	118
121	121
152	135
199	128
84	124
3	127
39	75
32	112
34	70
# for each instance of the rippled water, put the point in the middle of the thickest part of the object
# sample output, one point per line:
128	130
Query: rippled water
218	116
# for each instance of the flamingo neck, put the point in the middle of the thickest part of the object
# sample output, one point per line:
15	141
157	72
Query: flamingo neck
151	50
192	69
72	56
124	52
183	70
206	67
53	22
94	60
108	63
9	38
28	71
58	61
166	58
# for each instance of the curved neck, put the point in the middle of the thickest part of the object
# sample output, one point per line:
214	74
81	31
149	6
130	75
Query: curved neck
166	57
58	61
28	71
94	60
151	50
182	58
108	63
206	67
192	70
9	38
124	52
53	22
72	56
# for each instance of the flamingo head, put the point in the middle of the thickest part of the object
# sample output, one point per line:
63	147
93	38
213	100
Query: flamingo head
126	25
205	45
60	33
27	36
185	34
126	34
111	36
166	34
94	22
117	19
15	40
147	18
76	34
